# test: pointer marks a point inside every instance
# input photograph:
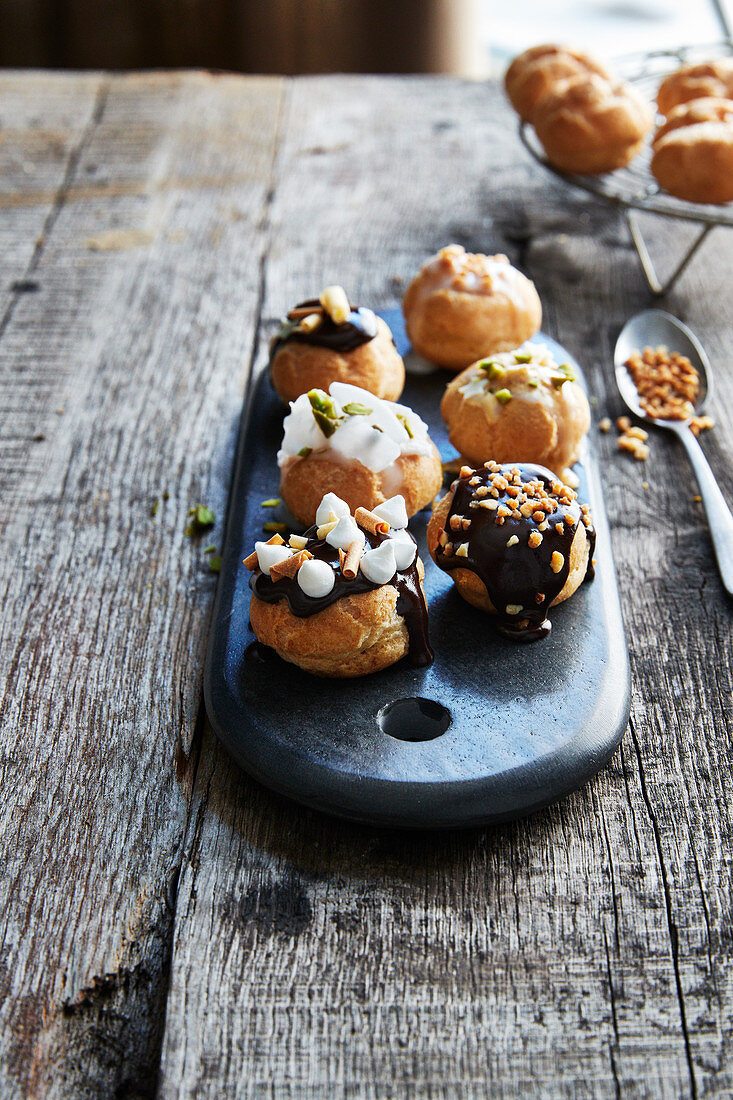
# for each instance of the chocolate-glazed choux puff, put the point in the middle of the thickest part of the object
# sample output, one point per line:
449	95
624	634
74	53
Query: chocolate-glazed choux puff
539	70
345	598
515	541
517	406
463	305
327	340
359	446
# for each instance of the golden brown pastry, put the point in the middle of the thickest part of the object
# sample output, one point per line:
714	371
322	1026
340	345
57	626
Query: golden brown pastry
463	305
692	152
515	541
590	125
540	69
359	446
327	340
517	406
696	81
346	598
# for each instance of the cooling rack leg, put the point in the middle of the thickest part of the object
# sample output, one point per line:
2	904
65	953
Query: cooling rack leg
647	265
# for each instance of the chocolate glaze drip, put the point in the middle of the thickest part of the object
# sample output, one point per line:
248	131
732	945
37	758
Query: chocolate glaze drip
410	598
360	328
517	575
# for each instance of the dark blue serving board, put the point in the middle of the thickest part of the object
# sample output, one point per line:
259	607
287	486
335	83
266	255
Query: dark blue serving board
528	723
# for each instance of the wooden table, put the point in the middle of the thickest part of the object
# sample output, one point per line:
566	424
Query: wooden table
168	926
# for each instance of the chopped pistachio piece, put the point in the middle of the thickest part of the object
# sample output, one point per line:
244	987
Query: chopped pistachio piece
201	517
304	452
322	402
533	383
275	527
503	396
209	549
354	408
271	502
522	357
327	424
495	371
406	425
215	564
154	508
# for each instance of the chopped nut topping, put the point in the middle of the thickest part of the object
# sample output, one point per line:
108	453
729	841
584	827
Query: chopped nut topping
462	551
513	608
540	597
605	424
538	516
667	383
534	539
455	523
465	524
560	528
637	433
623	423
475	481
336	304
557	561
513	541
467	471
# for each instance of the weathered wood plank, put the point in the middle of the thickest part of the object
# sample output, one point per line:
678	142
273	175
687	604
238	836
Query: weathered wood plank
121	376
583	952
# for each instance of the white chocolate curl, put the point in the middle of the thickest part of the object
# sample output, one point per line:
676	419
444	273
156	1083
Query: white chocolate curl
379	565
404	548
331	503
344	533
393	511
269	554
316	578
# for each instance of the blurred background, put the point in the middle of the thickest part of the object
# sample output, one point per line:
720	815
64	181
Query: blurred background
472	38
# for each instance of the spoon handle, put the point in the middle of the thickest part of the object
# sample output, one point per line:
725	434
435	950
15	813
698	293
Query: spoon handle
719	515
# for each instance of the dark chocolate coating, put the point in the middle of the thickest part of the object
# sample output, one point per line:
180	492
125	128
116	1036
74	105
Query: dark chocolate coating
360	328
410	598
518	575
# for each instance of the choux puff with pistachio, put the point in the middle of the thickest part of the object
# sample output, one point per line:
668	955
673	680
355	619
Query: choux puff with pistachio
515	541
463	305
327	340
517	406
358	446
346	598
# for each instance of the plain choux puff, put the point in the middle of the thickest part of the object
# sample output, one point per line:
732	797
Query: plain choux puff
463	305
696	81
589	125
539	70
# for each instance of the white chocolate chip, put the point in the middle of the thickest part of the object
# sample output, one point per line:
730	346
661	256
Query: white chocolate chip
393	511
334	504
379	565
316	578
344	533
269	554
405	548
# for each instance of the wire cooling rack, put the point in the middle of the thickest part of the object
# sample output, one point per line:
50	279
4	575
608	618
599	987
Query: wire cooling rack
634	188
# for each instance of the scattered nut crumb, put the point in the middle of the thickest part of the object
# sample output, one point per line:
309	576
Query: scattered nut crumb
605	424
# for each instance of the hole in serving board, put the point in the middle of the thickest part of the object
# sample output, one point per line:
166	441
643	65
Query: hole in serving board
414	719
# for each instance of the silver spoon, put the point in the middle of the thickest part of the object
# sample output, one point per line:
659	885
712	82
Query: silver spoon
653	328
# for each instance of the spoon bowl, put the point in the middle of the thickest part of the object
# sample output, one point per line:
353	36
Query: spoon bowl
655	328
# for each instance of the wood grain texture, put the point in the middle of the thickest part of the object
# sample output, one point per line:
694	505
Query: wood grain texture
583	952
121	373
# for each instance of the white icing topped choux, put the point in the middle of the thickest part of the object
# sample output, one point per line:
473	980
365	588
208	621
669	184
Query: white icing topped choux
316	578
354	424
379	565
